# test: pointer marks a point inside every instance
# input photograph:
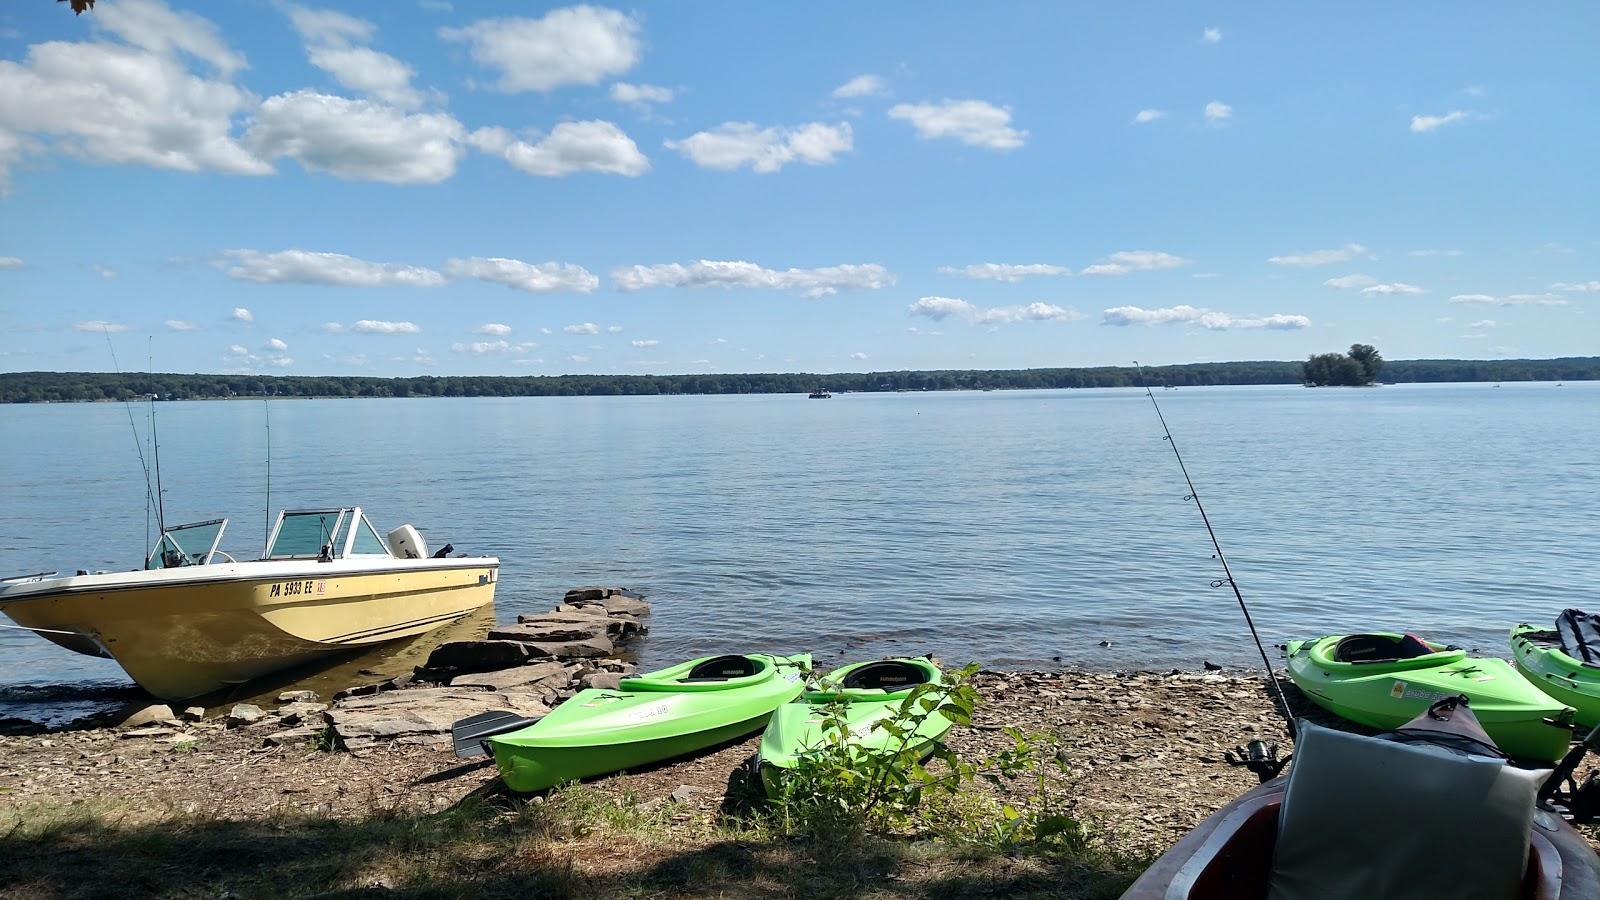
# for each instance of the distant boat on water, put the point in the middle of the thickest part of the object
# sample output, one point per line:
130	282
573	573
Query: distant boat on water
820	394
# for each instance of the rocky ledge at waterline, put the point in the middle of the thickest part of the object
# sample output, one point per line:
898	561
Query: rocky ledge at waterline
525	668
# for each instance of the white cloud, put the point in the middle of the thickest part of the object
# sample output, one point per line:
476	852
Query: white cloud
377	326
1321	257
1005	271
309	267
643	344
1434	253
1217	111
282	362
357	139
719	340
1425	124
239	350
181	325
99	326
1510	300
1212	35
939	308
535	278
1577	287
572	45
861	86
104	272
592	146
858	355
641	95
735	145
153	26
613	329
1484	323
582	328
1124	261
818	282
333	42
1344	282
578	359
972	122
1205	318
481	347
240	314
1206	275
494	328
1392	288
10	262
1146	116
276	345
334	327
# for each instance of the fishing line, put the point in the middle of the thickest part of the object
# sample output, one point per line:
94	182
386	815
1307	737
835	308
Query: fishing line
1272	679
149	497
267	527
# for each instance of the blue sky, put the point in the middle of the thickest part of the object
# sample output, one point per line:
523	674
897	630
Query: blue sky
411	187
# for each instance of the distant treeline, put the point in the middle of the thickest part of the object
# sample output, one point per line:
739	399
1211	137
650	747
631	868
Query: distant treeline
56	387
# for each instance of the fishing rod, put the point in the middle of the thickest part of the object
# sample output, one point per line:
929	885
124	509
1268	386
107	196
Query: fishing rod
267	525
149	496
1272	679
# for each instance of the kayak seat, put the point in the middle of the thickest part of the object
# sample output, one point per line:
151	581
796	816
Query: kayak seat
722	668
888	675
1580	636
1364	648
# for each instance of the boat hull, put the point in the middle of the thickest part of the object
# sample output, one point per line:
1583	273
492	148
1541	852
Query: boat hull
185	639
1550	670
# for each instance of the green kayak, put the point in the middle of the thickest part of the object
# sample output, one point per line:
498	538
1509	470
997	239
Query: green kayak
1539	654
1383	680
870	692
651	717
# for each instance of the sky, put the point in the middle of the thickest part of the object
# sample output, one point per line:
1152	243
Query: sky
415	187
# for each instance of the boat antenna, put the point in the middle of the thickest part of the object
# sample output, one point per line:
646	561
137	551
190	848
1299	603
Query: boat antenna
1272	679
266	534
149	496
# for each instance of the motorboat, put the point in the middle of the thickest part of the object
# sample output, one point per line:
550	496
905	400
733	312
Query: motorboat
195	620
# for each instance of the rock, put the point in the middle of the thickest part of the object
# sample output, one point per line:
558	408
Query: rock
549	674
548	632
244	714
420	716
588	594
593	648
684	793
299	697
1212	667
479	656
301	735
149	731
606	681
1105	643
157	712
296	713
194	713
625	604
619	625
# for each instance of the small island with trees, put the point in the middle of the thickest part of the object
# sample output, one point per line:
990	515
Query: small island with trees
1358	368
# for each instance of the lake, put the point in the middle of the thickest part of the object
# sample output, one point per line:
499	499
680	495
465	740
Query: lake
1017	529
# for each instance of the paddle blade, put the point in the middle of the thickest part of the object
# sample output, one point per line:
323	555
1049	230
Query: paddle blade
467	735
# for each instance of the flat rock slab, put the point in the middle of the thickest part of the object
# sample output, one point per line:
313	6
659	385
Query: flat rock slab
421	716
552	675
628	605
593	648
149	715
478	656
590	594
537	631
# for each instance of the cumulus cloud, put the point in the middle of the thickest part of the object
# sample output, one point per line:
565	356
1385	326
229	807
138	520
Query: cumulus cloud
276	344
1124	261
582	328
614	329
858	355
535	278
1510	300
377	326
641	94
494	328
181	325
818	282
646	343
1146	116
481	347
334	44
1212	35
592	146
357	139
939	308
1577	287
861	86
736	145
1205	318
99	326
1484	323
240	314
1005	271
1397	287
1320	257
309	267
573	45
153	26
1345	282
10	262
972	122
1216	112
1425	124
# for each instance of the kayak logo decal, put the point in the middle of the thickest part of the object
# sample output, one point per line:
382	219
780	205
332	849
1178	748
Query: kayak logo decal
653	711
1398	690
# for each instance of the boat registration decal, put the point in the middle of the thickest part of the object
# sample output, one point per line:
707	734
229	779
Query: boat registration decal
293	588
1410	693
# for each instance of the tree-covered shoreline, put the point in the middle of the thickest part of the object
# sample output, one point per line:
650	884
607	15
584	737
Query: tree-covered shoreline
65	387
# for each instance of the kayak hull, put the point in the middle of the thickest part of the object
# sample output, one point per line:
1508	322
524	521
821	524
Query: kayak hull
1524	721
1541	660
646	721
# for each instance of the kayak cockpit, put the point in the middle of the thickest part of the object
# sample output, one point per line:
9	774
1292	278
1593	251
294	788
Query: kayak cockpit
1382	650
885	679
709	673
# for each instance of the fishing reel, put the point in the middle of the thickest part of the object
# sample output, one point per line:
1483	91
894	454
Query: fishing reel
1259	757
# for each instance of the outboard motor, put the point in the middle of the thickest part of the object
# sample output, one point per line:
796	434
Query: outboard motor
406	543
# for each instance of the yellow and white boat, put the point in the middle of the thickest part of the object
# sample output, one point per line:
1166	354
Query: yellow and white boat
195	620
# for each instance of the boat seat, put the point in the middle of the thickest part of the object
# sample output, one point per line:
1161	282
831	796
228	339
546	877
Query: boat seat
722	668
1580	636
1360	648
1367	817
888	675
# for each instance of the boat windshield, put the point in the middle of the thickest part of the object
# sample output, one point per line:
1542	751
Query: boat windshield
187	545
308	534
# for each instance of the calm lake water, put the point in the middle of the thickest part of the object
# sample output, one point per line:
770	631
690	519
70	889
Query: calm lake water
1011	528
